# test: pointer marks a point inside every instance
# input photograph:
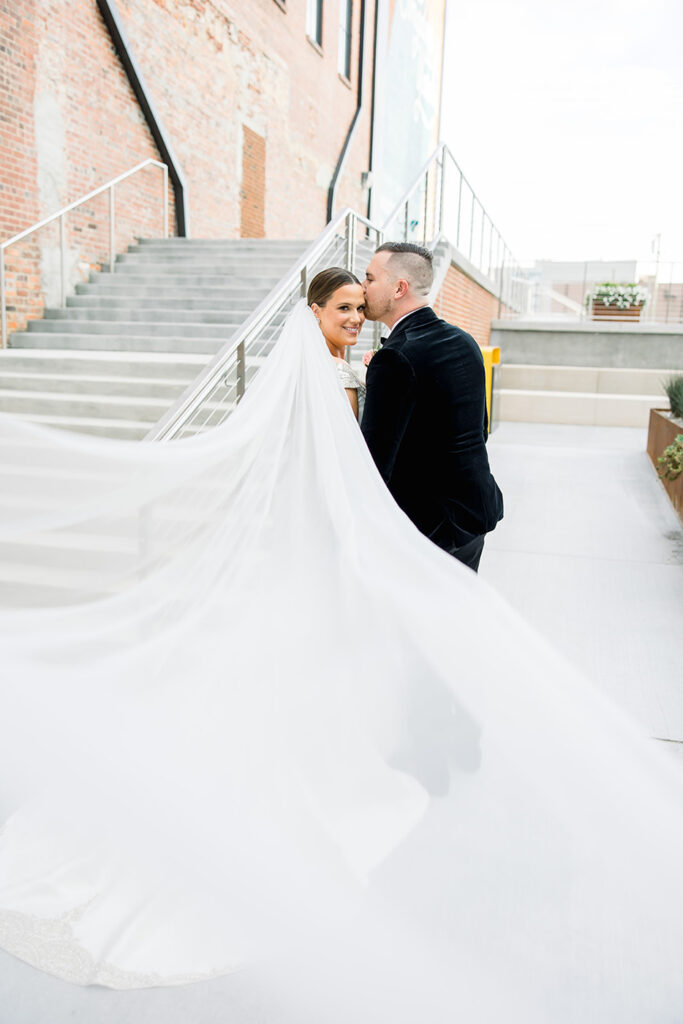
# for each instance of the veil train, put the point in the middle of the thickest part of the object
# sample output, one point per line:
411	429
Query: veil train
254	722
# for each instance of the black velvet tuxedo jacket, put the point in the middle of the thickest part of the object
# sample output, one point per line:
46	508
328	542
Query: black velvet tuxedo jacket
426	427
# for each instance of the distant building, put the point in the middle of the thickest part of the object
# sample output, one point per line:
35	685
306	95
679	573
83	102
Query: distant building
573	281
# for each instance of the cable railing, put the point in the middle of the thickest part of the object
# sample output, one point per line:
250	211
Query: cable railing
60	217
425	214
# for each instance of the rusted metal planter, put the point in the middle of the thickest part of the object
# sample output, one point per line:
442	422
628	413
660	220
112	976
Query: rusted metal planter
599	311
662	432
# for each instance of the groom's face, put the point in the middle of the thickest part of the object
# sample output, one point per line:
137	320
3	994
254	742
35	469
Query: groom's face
379	288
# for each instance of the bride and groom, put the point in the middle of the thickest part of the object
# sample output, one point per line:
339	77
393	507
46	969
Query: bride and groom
422	409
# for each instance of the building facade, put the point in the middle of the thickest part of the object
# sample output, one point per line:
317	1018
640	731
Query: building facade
270	109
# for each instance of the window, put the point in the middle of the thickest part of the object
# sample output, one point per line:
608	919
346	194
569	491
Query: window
314	21
344	58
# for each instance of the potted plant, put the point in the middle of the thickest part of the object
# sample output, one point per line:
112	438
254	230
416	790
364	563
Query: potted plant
617	301
665	441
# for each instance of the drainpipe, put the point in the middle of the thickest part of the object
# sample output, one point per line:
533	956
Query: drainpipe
371	154
352	129
112	20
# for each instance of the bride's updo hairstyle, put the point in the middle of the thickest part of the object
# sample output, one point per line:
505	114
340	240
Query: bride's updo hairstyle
326	283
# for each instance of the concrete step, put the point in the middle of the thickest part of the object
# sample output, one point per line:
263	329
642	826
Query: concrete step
38	362
143	409
194	278
241	244
229	257
70	383
579	408
234	314
127	430
130	342
118	287
168	343
127	298
155	262
590	379
26	585
70	551
124	327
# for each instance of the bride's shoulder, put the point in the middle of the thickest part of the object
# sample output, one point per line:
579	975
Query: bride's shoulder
347	376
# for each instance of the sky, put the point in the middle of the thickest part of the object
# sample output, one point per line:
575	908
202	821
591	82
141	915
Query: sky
567	119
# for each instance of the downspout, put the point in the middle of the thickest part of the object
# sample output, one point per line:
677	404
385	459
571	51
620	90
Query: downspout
352	129
124	52
443	68
371	154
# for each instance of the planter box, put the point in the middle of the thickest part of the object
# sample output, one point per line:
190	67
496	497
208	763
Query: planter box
661	433
600	311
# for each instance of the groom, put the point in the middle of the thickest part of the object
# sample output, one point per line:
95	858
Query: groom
425	409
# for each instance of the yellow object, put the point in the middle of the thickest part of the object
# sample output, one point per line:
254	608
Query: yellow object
491	354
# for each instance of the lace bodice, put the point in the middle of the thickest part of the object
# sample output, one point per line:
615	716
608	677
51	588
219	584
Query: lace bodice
350	379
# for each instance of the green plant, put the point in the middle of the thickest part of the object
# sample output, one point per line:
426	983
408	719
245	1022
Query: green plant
671	459
674	390
620	295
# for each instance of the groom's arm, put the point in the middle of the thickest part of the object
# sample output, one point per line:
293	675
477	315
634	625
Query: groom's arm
389	401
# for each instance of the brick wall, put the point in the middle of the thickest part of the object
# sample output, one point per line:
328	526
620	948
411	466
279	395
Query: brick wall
68	122
216	71
463	302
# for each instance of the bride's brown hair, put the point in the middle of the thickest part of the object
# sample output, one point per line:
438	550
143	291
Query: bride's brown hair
326	283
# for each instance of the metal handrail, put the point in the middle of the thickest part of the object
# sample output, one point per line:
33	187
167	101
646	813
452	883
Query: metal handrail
407	196
61	214
233	356
504	260
179	414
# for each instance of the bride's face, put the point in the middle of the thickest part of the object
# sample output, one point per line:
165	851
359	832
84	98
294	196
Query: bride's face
342	316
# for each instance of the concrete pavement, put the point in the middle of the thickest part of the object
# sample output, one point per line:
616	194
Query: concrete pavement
590	551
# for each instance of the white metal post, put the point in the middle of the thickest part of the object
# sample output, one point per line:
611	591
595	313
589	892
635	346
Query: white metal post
112	245
165	184
426	208
457	230
3	313
350	242
442	189
62	260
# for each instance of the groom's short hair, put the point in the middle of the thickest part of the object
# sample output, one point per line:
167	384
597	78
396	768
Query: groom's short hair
412	262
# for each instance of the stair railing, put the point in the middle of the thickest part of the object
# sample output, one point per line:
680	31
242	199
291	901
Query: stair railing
441	201
109	187
210	399
426	214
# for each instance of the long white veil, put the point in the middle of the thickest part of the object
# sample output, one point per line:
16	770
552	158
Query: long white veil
253	721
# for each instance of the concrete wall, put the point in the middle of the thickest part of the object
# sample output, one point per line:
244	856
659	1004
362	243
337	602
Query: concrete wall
634	346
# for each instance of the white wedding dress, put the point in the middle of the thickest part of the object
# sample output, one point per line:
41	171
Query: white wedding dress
253	721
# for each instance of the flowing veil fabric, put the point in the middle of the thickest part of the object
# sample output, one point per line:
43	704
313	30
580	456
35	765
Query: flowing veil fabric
253	721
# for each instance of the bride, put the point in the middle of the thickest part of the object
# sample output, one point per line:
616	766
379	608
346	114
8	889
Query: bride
337	300
256	725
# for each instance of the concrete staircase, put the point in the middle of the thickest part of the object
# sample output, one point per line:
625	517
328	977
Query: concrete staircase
130	342
583	395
